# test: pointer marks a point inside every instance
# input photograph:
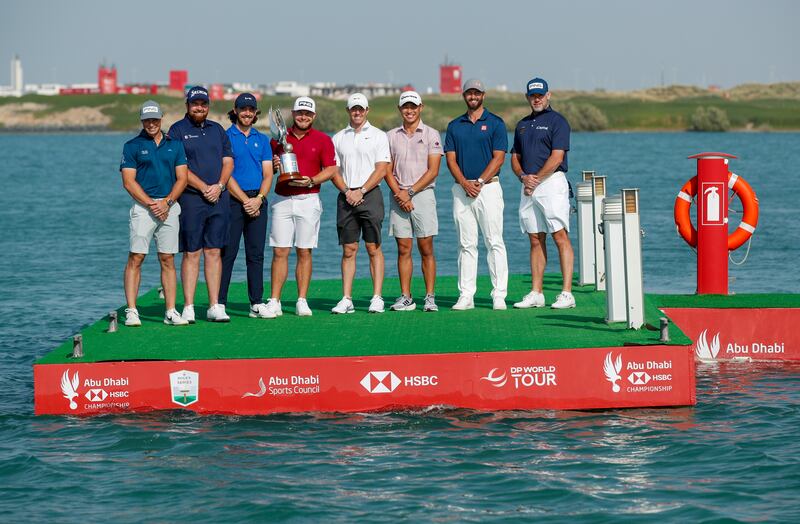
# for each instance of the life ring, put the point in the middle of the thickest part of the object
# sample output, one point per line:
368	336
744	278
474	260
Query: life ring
747	226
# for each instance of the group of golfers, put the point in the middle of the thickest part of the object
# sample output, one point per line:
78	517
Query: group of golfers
200	188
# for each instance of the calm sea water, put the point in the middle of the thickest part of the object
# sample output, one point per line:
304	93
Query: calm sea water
734	456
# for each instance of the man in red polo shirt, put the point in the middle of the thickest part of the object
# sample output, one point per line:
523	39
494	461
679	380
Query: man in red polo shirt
296	211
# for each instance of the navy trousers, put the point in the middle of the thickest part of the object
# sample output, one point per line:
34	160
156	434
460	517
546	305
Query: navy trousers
255	237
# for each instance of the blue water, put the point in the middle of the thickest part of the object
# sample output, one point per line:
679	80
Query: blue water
63	214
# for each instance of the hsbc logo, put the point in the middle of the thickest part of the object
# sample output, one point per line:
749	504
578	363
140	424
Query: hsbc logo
387	381
96	395
639	378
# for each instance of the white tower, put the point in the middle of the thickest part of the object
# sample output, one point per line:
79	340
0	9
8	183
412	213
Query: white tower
16	76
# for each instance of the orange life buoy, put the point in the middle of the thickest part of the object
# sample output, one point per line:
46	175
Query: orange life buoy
747	226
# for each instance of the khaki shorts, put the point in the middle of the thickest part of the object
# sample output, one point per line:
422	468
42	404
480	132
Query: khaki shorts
144	226
295	221
421	222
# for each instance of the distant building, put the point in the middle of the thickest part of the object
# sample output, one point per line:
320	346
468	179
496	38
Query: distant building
291	88
450	77
330	90
107	80
16	87
178	79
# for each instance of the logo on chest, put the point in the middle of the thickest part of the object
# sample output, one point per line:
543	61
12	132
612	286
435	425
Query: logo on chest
484	127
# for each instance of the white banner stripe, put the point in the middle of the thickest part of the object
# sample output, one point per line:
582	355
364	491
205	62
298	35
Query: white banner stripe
685	196
747	227
732	180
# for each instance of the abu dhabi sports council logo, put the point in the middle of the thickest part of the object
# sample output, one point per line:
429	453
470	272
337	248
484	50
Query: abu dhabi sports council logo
184	387
380	381
612	369
705	350
262	389
495	380
70	388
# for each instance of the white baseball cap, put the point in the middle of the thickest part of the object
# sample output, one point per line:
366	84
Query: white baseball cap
304	103
409	96
357	99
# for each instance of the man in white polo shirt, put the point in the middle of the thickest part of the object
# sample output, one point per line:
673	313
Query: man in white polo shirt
362	153
416	155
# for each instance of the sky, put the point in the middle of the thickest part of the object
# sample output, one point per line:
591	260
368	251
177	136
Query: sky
615	45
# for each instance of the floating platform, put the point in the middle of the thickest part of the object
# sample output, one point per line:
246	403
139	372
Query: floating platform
482	359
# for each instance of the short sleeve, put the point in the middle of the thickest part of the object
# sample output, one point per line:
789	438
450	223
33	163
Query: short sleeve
180	157
266	152
174	132
128	157
449	141
227	150
561	133
435	143
500	136
517	147
382	153
328	153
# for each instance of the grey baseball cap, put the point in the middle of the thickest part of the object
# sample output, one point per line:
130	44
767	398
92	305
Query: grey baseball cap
150	109
473	83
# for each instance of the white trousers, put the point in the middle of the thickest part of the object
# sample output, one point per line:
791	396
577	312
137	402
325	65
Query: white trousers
484	212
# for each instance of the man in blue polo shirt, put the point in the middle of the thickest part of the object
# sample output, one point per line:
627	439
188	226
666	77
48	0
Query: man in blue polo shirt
539	159
205	203
252	178
475	148
154	173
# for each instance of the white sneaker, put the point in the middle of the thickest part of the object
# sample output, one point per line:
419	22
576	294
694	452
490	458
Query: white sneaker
132	317
216	313
499	304
564	300
376	305
403	303
532	299
261	310
344	306
301	308
172	318
430	303
188	313
274	305
463	303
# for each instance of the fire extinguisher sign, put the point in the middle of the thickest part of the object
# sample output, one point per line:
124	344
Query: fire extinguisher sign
713	208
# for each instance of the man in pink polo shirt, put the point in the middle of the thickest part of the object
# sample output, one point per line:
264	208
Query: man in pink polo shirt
416	155
296	211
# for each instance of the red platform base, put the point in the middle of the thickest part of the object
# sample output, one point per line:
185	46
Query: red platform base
729	334
591	378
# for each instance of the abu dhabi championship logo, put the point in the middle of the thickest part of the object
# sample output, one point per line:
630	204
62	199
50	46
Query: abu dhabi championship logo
70	388
494	380
380	381
612	369
184	387
703	349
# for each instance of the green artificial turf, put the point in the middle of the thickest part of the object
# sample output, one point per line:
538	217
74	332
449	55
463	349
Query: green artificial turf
390	333
771	300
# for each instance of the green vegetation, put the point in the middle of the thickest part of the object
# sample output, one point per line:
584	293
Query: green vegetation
673	108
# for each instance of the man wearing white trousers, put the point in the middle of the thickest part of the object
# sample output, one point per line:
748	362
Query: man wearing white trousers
475	148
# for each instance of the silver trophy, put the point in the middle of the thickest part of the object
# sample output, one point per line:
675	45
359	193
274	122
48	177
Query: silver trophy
289	171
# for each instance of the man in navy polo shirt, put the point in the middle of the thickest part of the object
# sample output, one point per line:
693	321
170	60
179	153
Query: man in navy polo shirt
475	148
539	159
205	214
154	174
249	185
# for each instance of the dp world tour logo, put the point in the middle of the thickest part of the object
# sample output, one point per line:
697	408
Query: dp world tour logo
495	380
380	381
703	349
70	388
185	387
612	369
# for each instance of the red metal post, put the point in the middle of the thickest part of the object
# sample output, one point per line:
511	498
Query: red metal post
712	223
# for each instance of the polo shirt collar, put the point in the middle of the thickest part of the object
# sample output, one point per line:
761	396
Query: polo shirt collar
420	128
465	116
546	110
365	127
235	130
204	123
143	134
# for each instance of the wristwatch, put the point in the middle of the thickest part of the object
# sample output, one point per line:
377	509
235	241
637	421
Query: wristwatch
221	187
411	191
170	202
363	191
481	181
261	196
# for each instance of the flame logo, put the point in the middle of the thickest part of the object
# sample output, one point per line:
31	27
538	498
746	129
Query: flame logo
703	350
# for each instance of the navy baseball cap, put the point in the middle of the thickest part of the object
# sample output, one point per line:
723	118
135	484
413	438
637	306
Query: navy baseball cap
197	93
246	100
537	86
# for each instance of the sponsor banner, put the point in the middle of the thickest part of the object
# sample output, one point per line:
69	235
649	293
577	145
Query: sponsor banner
752	334
591	378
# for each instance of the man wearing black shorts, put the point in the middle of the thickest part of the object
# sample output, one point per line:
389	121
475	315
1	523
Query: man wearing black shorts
362	153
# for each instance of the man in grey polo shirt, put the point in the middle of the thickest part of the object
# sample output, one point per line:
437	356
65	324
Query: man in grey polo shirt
362	153
416	155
